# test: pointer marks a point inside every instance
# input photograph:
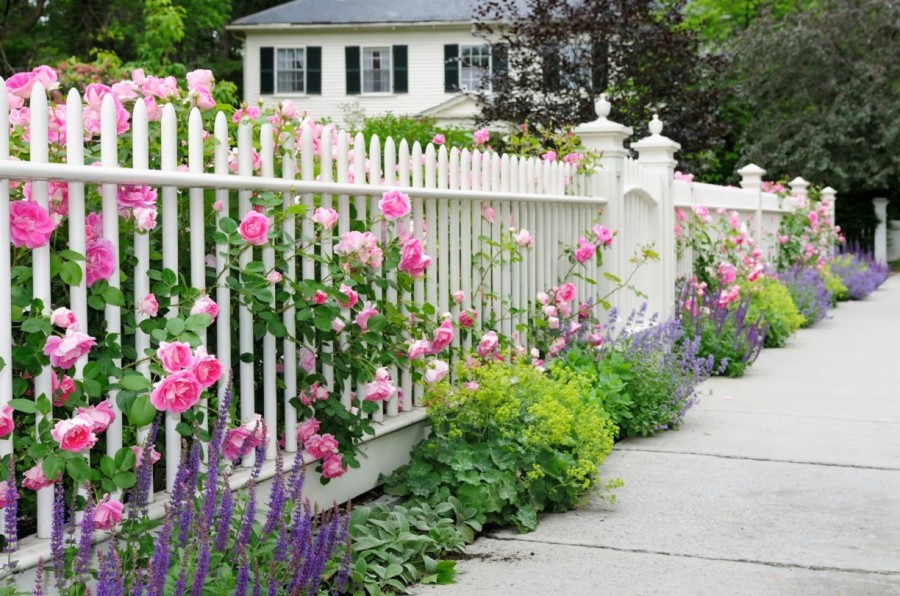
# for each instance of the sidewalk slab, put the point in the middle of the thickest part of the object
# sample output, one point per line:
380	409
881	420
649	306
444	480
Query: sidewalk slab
514	568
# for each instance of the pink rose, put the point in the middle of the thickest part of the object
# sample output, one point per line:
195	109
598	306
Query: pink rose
320	445
727	272
29	224
100	260
362	319
488	213
254	228
132	196
325	217
603	235
412	259
93	225
488	344
175	356
352	296
63	317
729	295
199	78
458	297
481	136
139	455
307	360
549	156
438	139
107	513
436	371
381	388
394	204
443	337
274	277
307	429
74	434
176	393
467	318
205	306
360	246
320	297
755	273
145	218
20	84
337	325
418	349
524	239
206	368
543	297
585	251
149	305
240	441
35	479
333	466
100	416
62	389
549	310
565	293
7	424
64	351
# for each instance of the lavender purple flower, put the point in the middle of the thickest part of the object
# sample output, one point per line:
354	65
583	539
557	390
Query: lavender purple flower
860	272
84	541
11	511
809	293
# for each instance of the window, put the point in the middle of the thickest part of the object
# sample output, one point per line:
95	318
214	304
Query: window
474	67
289	70
376	70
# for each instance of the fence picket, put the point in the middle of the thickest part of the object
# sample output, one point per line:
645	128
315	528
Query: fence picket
270	389
245	317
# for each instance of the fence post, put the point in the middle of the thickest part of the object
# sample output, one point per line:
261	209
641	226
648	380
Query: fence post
609	137
881	230
799	188
656	154
829	196
751	179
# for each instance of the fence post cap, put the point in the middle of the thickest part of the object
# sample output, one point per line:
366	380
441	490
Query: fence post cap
656	125
798	181
602	106
751	169
829	191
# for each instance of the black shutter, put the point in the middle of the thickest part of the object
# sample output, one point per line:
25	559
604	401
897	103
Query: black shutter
401	70
551	65
599	66
351	58
266	71
314	70
451	68
499	66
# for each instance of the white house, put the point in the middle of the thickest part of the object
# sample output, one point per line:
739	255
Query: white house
337	57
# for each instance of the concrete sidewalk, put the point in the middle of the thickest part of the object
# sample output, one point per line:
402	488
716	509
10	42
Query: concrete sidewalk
786	481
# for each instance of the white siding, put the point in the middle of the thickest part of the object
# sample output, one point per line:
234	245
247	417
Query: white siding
426	67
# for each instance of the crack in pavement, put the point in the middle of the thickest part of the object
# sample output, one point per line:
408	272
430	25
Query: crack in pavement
762	459
643	551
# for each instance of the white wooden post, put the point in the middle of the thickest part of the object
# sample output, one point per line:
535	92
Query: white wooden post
799	188
656	154
881	230
829	197
609	137
751	179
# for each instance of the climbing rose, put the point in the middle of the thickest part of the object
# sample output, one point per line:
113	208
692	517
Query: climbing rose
418	349
307	430
274	277
360	246
176	393
101	415
436	371
438	139
467	318
458	297
139	455
29	224
381	388
585	251
488	344
7	425
100	260
565	293
107	513
320	445
412	258
149	305
35	479
481	136
394	204
332	466
443	337
64	351
603	235
206	368
352	296
63	317
62	389
524	239
239	441
362	319
205	306
488	214
325	217
307	360
74	434
254	228
175	356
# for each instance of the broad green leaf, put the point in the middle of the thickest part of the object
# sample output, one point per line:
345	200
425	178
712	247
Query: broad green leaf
134	382
23	405
142	411
70	273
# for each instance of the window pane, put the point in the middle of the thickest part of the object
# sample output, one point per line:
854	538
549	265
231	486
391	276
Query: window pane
475	67
289	67
376	70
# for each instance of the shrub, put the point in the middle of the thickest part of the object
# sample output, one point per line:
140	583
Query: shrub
807	288
834	285
666	369
421	129
608	376
512	441
723	329
859	272
771	300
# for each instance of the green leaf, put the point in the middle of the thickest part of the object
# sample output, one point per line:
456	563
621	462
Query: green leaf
23	405
80	469
52	466
70	255
169	278
134	382
247	357
43	405
91	388
108	466
377	323
125	479
125	459
36	325
70	273
175	326
113	296
228	225
142	411
197	322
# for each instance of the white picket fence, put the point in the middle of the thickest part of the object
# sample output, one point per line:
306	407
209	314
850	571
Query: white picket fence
449	189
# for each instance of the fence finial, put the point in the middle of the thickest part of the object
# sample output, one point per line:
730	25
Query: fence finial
656	125
602	106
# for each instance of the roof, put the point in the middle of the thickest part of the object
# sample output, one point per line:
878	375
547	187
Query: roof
352	12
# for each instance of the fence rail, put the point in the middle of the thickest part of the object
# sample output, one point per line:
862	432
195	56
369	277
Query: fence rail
453	192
